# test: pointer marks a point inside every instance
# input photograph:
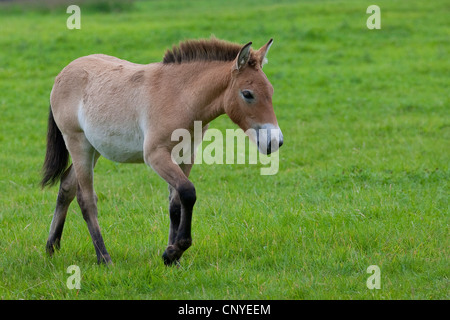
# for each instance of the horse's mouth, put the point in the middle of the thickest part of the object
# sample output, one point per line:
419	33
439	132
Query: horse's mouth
269	138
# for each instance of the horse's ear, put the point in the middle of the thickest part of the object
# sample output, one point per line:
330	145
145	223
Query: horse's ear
262	52
243	56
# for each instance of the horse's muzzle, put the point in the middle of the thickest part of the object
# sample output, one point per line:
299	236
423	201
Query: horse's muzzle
269	138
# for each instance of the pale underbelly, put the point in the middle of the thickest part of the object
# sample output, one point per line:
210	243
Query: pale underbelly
116	134
124	145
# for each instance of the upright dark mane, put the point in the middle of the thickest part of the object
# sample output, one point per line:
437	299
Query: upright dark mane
202	50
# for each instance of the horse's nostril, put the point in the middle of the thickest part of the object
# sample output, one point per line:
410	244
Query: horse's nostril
280	143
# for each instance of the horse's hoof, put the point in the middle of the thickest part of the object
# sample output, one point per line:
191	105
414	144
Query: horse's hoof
51	246
171	256
105	260
49	249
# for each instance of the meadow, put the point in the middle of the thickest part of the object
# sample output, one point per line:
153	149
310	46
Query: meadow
363	173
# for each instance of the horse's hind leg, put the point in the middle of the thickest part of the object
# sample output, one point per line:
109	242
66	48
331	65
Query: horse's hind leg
67	192
84	157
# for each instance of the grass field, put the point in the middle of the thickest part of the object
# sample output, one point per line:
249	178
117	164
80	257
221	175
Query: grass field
363	177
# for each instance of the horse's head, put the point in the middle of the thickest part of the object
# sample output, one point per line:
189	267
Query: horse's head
248	100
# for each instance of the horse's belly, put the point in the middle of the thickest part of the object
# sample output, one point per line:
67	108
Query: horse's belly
118	146
120	142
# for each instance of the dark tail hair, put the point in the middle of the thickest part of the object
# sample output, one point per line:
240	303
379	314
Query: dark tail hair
57	156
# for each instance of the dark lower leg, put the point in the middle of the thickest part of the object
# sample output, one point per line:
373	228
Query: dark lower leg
66	194
182	239
175	214
88	207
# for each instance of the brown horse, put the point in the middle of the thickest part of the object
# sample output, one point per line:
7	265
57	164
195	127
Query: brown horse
126	112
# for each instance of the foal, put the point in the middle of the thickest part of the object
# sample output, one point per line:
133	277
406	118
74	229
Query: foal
126	112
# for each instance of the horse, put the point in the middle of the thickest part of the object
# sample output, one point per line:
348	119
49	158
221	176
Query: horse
101	105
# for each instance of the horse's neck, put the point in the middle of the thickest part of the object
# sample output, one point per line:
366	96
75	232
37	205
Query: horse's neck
206	83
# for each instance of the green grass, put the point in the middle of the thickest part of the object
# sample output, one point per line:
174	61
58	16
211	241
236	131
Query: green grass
363	176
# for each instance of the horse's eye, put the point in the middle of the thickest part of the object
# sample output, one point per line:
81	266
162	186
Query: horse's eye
248	95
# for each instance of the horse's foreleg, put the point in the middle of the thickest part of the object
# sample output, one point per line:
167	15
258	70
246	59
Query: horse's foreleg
66	194
175	214
180	236
175	206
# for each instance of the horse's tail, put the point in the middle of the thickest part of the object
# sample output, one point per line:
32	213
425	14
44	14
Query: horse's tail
57	155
